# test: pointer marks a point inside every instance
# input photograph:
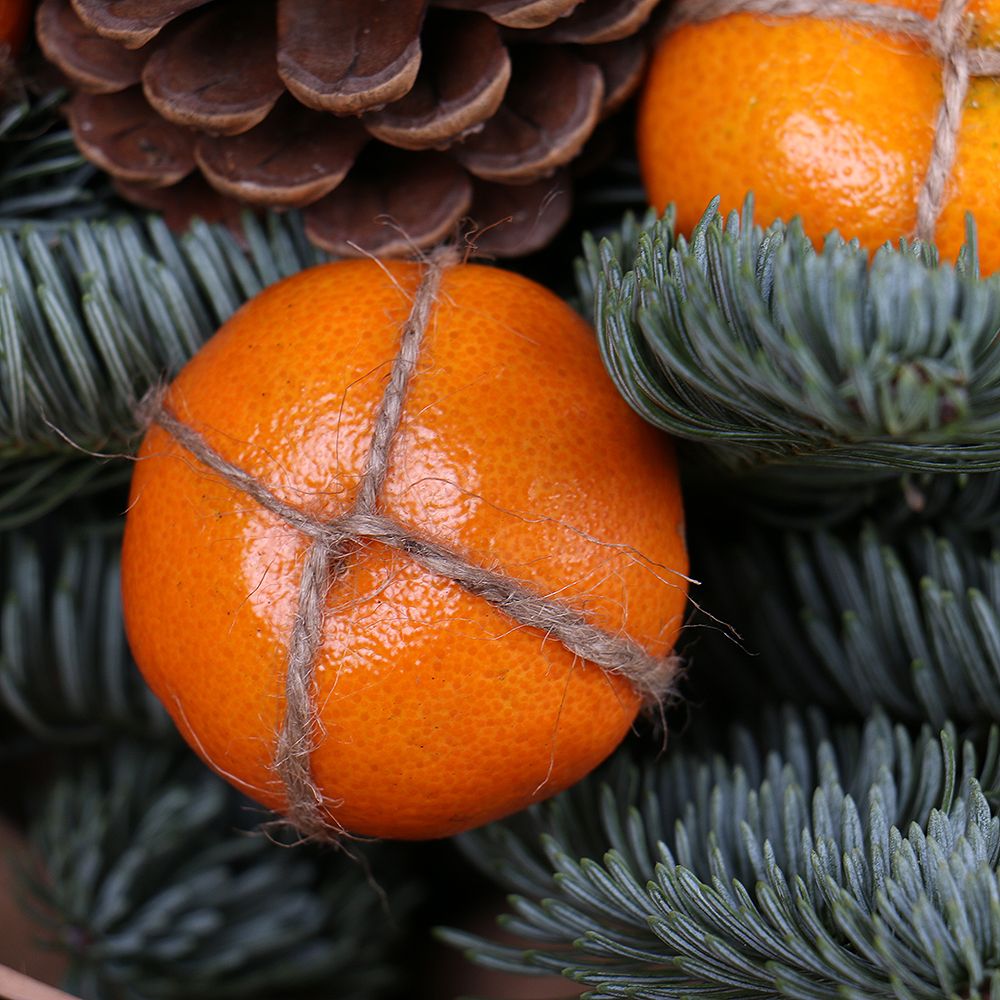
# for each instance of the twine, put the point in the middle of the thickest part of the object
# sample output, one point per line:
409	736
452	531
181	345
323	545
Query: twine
326	562
947	36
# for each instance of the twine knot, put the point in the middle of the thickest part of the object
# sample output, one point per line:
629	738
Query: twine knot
327	560
949	33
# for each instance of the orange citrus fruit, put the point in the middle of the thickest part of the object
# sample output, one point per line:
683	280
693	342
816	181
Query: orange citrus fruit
437	713
822	119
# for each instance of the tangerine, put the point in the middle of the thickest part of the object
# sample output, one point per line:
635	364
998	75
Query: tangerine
437	713
826	120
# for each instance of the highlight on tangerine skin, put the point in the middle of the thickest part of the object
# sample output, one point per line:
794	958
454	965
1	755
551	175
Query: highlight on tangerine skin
436	712
822	119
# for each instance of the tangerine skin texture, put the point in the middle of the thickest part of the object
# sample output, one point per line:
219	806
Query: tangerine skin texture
821	119
437	713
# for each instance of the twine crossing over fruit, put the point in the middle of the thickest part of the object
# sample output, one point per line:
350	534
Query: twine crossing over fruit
946	35
326	562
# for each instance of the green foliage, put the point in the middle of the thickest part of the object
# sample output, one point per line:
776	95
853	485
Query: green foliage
972	502
779	360
93	317
828	497
43	177
149	878
909	619
65	671
859	863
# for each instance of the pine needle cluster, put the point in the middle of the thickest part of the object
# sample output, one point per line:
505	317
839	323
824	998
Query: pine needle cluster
93	317
811	863
906	618
152	878
43	177
781	360
66	674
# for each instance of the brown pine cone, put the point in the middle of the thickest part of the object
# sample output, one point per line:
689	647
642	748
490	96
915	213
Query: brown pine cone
387	121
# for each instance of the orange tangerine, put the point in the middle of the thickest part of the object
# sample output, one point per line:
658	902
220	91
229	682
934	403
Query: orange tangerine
437	712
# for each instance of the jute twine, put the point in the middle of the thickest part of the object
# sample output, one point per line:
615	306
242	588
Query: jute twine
326	562
947	36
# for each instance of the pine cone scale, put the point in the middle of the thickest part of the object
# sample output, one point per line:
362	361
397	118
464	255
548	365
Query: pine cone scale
189	198
329	65
478	80
464	79
597	22
516	13
133	23
94	64
622	65
519	219
373	212
294	157
217	72
549	113
124	136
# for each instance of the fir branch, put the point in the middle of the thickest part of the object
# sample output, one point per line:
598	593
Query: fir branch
779	360
149	879
93	317
858	864
822	497
909	619
65	671
971	502
43	176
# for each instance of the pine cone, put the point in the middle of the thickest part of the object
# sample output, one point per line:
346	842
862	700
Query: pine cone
388	121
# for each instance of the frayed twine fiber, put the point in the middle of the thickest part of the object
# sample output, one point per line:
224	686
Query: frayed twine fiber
326	562
946	35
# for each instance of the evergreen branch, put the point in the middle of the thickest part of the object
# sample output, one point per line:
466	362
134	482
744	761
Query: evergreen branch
775	357
156	889
43	177
910	622
820	497
93	317
65	671
859	863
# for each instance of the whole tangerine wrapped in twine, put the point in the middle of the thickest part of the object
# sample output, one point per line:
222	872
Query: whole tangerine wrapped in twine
398	558
878	120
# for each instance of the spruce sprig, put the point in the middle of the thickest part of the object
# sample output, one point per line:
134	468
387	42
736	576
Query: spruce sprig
43	176
856	863
94	316
824	498
150	879
65	671
779	360
908	619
